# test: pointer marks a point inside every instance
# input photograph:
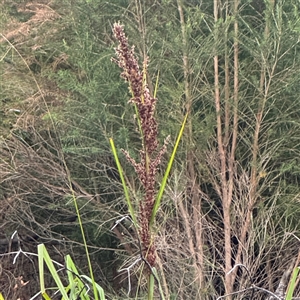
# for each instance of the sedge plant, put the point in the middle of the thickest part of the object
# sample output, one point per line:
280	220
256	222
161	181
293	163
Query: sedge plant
150	154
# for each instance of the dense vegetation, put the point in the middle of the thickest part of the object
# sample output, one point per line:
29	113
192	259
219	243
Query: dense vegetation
232	197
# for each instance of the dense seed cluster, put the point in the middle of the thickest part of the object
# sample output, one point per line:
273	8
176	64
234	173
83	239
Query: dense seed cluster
149	158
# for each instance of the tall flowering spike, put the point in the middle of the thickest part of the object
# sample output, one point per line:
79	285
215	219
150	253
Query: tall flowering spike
127	61
145	103
147	167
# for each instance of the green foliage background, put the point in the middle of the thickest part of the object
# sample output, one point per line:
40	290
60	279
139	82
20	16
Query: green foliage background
71	99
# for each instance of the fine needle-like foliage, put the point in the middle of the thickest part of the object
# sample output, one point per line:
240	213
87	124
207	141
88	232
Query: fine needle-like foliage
232	197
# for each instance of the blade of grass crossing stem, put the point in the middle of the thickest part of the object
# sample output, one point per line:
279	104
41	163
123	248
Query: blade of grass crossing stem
154	272
77	282
45	296
98	287
43	255
165	178
130	207
72	283
291	288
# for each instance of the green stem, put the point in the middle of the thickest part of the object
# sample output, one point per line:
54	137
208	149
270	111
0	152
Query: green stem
166	175
150	287
130	206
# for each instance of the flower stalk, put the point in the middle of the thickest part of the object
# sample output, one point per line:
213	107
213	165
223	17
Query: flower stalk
150	155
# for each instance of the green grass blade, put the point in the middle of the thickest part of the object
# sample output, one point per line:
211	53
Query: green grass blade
41	269
43	255
165	178
72	284
130	207
41	273
156	85
151	287
154	272
98	287
45	296
83	236
76	285
289	295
